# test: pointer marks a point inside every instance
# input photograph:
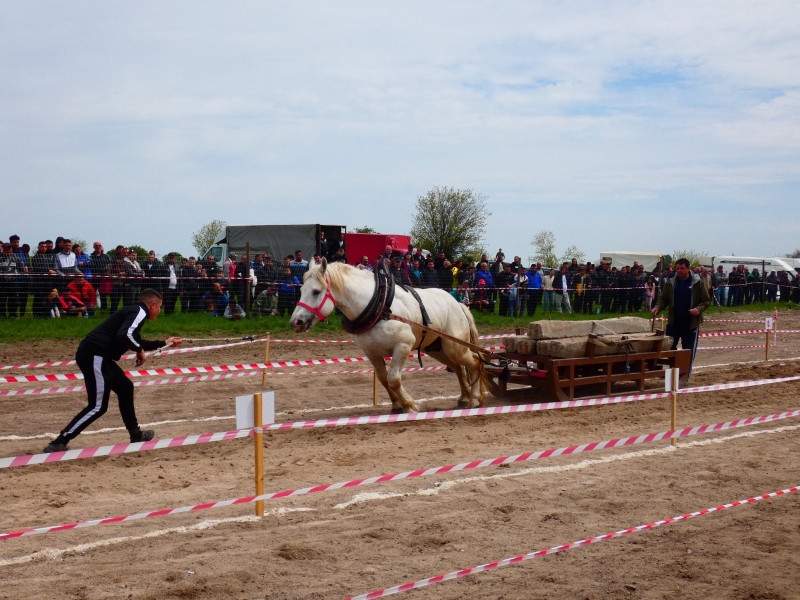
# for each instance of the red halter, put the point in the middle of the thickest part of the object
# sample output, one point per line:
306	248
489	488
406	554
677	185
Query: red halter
317	312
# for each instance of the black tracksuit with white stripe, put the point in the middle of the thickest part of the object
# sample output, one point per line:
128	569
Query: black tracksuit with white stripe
96	354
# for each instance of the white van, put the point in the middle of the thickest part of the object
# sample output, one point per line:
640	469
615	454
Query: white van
793	262
755	262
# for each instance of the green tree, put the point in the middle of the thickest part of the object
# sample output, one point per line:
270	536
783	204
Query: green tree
82	244
449	220
693	256
365	229
573	252
544	244
203	239
795	254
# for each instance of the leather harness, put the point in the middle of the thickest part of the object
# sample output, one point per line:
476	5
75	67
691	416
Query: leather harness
379	305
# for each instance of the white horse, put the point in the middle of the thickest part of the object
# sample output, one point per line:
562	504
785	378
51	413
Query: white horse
351	290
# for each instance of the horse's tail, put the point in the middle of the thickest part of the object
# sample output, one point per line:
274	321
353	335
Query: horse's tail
475	339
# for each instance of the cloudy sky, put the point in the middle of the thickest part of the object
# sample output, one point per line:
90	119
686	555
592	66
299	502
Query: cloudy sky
646	126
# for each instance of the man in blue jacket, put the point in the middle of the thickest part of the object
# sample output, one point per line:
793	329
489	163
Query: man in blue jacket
534	288
96	358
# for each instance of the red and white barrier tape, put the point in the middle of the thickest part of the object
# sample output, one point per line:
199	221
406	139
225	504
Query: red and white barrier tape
206	369
728	333
478	464
733	347
66	363
733	320
413	585
150	382
37	459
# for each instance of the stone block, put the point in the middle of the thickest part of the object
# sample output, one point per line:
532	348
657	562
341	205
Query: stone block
576	347
549	330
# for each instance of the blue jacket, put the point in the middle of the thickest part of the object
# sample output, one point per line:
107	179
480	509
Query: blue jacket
535	280
486	276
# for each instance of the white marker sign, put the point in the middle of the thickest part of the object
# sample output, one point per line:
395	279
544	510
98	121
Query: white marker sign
244	410
769	323
668	379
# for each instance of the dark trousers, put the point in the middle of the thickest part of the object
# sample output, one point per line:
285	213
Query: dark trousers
534	298
102	376
170	298
605	300
117	295
686	336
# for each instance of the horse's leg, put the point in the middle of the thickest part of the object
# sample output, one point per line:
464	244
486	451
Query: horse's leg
464	399
472	368
380	370
394	384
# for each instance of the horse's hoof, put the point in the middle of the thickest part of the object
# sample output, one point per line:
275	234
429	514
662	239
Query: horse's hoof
396	411
462	404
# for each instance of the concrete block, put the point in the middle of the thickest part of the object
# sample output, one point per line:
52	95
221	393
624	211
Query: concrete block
526	346
549	330
510	342
576	347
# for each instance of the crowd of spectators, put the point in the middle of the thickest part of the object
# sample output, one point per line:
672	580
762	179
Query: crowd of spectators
63	280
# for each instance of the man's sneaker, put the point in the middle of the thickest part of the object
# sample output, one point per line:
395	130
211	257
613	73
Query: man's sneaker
53	447
144	436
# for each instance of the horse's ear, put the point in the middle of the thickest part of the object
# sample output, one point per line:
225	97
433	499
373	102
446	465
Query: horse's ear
324	266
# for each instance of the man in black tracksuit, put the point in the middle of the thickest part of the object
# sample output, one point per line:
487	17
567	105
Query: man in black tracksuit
95	357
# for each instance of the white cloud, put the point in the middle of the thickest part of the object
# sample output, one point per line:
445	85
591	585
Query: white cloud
589	120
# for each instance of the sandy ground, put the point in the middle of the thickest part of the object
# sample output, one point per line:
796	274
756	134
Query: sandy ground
346	542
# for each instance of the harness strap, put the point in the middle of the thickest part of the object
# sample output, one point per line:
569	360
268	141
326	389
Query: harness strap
426	321
379	306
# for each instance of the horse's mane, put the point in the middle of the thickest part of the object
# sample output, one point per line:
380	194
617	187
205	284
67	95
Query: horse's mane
338	273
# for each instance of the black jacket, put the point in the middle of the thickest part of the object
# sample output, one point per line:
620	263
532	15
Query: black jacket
118	333
430	278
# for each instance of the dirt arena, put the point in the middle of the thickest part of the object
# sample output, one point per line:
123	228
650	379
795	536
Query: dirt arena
349	542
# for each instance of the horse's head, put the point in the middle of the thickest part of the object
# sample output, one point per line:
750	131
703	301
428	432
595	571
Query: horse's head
316	301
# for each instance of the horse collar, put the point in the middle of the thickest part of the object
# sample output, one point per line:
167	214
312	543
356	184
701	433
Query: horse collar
379	305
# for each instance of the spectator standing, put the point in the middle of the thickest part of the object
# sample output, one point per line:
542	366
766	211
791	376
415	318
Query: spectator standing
430	276
687	297
365	263
650	292
484	273
579	283
133	283
10	293
549	302
339	256
153	273
772	287
719	281
414	274
561	288
24	278
172	284
534	288
119	270
99	263
754	287
399	272
190	288
504	280
286	293
784	286
298	265
44	272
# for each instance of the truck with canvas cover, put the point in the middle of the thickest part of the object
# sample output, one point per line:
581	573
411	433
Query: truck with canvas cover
648	260
276	240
